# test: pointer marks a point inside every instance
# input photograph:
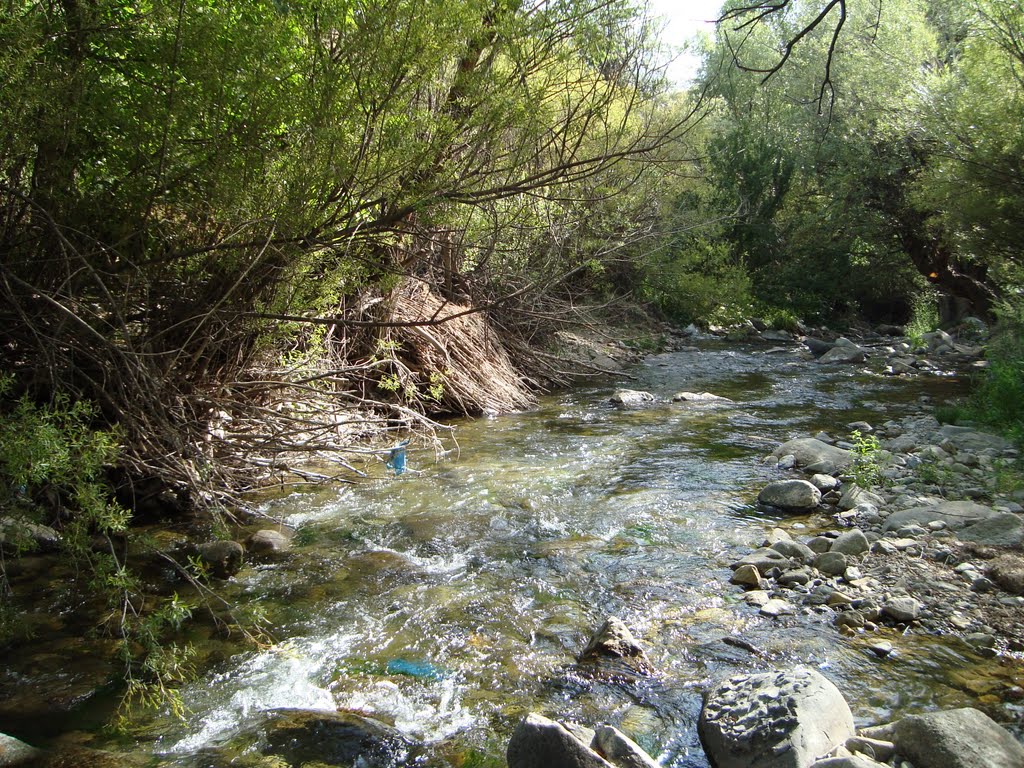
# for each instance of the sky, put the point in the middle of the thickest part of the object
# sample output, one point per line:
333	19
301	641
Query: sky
685	18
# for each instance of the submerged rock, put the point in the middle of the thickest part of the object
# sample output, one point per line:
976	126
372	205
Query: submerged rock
781	719
336	738
223	558
268	541
698	397
957	738
620	750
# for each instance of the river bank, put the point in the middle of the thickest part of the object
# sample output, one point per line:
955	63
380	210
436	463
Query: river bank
484	573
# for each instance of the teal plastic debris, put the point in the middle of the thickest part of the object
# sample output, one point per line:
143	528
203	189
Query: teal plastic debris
421	669
396	458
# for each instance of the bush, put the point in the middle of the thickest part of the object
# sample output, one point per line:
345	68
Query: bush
700	283
999	398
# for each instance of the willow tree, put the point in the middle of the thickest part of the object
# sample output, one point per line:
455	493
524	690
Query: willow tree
194	195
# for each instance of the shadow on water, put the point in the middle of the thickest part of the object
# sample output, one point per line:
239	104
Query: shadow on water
452	600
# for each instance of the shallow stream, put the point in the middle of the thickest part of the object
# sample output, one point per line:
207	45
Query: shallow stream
453	599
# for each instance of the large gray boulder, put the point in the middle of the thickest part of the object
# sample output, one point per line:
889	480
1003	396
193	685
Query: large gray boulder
955	514
790	495
1000	530
957	738
784	719
812	453
538	742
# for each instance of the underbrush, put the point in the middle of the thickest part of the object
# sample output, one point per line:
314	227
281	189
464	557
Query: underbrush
998	400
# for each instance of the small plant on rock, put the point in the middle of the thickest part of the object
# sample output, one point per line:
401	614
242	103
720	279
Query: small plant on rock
866	469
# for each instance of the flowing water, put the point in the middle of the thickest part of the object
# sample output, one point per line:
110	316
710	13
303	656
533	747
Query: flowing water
453	599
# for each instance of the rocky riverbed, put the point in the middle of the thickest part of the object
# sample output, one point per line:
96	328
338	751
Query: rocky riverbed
446	605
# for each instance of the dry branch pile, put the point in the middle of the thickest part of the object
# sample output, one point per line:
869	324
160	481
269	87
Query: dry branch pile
456	350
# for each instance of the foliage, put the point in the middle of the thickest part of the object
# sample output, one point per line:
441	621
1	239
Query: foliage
998	399
866	468
924	317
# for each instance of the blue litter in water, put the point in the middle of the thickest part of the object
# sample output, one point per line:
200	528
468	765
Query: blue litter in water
396	458
421	669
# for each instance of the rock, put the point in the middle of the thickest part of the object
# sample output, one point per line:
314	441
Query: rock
631	398
817	346
957	738
832	563
776	607
844	354
764	559
854	619
955	514
881	648
541	743
819	544
756	598
825	483
968	439
614	641
268	542
775	720
698	397
334	738
790	495
1008	572
14	752
901	609
854	496
620	750
798	576
877	749
794	550
822	457
852	542
847	761
1001	530
20	535
746	576
223	558
776	535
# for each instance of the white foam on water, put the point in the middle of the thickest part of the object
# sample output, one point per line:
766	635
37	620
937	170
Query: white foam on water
289	676
427	713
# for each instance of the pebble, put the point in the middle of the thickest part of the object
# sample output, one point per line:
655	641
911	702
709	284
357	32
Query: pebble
881	648
777	607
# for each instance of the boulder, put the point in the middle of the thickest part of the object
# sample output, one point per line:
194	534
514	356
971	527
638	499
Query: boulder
764	559
541	743
268	541
14	752
955	514
901	609
844	354
620	750
812	453
852	542
825	483
855	495
614	641
631	398
794	550
1008	572
223	558
817	346
1001	530
790	495
334	738
957	738
746	576
831	563
784	719
969	439
20	535
848	761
